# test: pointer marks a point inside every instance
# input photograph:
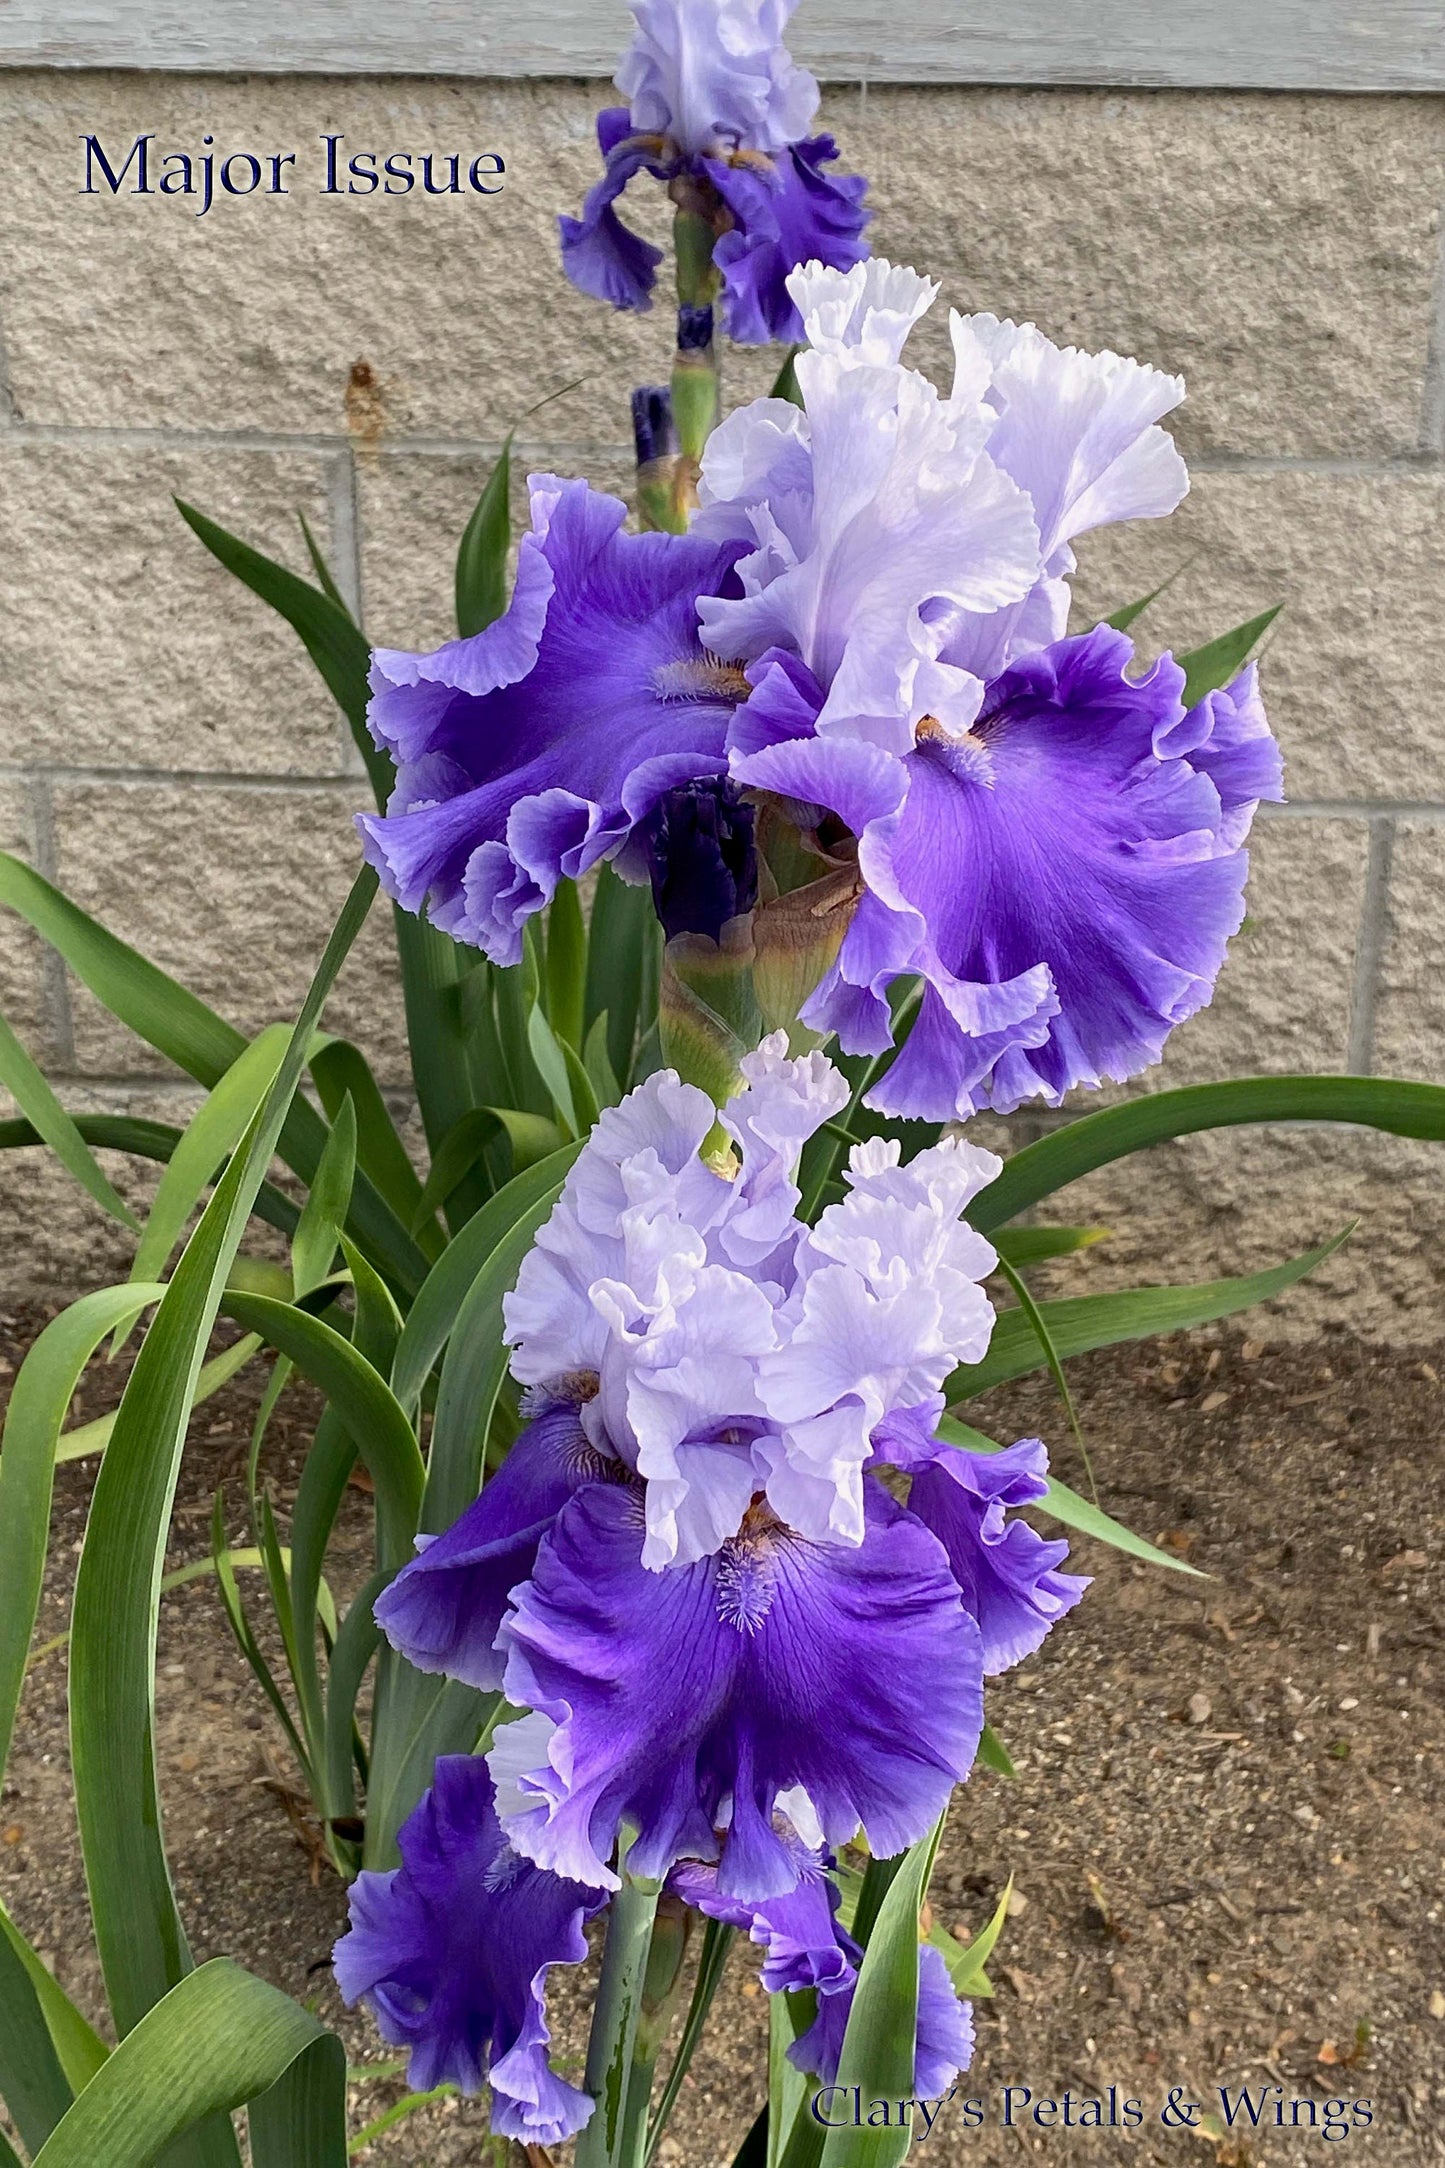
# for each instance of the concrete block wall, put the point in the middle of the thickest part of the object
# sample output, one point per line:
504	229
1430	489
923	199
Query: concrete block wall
168	756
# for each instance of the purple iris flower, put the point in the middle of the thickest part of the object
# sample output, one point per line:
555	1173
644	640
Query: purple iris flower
1006	1571
451	1951
534	748
685	1571
718	111
806	1946
1045	837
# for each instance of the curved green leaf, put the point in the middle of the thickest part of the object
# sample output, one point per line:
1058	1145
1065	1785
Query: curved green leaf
878	2046
472	1374
1208	669
333	641
78	2045
32	2083
37	1102
363	1400
342	1071
1082	1322
44	1387
221	2037
145	1140
191	1035
1400	1108
532	1137
144	997
431	966
1022	1247
318	1231
211	1135
622	948
94	1437
138	1929
481	579
966	1965
566	965
434	1310
785	383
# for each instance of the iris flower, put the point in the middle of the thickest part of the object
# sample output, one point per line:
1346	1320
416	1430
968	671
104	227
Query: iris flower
1045	835
688	1571
717	110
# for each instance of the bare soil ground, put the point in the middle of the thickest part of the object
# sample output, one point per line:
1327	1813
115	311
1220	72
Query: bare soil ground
1225	1830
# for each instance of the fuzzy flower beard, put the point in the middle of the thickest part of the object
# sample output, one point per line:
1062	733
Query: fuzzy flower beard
1050	842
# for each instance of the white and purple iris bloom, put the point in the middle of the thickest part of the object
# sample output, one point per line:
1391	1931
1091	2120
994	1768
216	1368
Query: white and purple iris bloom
867	624
1047	839
713	97
728	1633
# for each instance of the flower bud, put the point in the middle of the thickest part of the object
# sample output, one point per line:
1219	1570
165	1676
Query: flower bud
701	857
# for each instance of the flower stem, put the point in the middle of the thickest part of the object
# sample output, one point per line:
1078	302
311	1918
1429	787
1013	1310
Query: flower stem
655	437
696	393
615	2017
661	1985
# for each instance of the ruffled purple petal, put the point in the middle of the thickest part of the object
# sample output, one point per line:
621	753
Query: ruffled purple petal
775	1662
451	1951
1237	750
788	214
705	72
1065	890
600	255
443	1610
1006	1571
798	1932
533	749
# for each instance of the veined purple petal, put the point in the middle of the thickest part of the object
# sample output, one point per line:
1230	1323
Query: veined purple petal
1238	752
532	750
443	1610
600	255
672	1692
1078	431
1070	891
792	214
452	1949
1006	1571
799	1933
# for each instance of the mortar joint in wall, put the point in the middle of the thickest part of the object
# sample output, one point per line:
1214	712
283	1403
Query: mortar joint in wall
1432	393
1370	947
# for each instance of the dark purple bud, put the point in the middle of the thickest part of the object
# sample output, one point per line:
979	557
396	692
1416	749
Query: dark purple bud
652	424
694	328
701	855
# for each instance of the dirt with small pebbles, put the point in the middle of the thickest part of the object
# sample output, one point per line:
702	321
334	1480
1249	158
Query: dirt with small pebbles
1225	1829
